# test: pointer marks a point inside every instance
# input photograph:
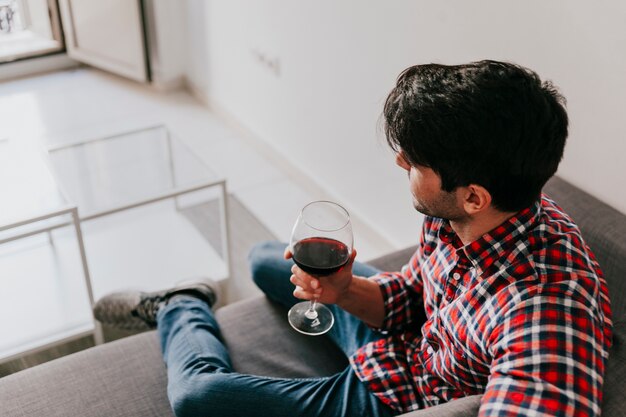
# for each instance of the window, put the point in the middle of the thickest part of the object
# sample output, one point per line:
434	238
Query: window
29	28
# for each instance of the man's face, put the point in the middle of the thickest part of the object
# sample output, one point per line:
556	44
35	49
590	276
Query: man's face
428	197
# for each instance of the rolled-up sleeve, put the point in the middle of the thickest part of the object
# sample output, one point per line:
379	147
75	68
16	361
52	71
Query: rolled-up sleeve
549	357
402	293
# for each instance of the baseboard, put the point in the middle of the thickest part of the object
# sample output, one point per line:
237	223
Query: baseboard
173	84
29	67
196	91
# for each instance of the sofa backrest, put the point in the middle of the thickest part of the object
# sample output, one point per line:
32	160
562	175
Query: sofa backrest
604	230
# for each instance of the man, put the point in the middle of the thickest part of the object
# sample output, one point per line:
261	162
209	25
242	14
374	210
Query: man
502	297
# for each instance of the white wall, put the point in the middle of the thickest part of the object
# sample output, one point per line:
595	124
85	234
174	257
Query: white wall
337	59
167	39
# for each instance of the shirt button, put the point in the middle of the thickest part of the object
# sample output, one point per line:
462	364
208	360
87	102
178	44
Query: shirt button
430	350
456	276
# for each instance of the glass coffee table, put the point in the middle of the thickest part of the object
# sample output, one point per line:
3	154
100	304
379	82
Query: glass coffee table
132	210
152	213
45	292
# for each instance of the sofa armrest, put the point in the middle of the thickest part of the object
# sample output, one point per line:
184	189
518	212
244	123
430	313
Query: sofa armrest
123	378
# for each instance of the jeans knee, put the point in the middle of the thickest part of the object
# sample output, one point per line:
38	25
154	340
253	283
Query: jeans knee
181	402
197	395
181	406
263	257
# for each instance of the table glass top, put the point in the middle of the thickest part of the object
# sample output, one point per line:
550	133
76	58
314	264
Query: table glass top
26	185
107	173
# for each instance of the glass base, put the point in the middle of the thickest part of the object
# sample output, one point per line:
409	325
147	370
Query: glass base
315	324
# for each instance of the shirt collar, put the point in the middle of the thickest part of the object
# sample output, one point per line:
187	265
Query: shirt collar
494	245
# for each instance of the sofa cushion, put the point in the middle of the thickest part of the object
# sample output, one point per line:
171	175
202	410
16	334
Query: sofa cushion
123	378
395	260
261	342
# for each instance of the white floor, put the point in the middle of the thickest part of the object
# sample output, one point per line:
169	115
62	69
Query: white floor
65	107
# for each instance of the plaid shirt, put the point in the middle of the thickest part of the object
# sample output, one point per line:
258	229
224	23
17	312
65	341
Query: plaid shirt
520	315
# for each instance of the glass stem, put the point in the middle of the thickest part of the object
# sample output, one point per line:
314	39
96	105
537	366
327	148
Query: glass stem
311	314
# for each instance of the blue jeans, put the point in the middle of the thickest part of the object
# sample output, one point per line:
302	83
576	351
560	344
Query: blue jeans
201	380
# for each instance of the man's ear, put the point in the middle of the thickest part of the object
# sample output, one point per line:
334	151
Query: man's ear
476	198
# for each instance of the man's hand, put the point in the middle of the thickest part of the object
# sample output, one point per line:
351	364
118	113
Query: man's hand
330	289
359	296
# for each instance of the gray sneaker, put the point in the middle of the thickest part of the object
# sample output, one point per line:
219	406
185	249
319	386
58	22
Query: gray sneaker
135	310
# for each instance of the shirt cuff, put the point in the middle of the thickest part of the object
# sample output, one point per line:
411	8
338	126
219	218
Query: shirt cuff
392	289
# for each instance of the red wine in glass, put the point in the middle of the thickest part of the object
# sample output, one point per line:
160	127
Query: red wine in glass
320	256
321	244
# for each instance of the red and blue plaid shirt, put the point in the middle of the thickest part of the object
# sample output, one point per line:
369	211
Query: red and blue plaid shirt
521	315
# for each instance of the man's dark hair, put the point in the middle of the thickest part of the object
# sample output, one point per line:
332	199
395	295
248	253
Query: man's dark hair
489	123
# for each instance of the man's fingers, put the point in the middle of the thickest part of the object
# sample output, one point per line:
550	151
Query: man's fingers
307	283
287	254
300	293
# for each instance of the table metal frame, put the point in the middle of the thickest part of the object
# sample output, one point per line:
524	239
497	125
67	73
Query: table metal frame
76	221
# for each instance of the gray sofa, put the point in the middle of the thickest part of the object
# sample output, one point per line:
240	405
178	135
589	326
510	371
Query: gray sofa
127	377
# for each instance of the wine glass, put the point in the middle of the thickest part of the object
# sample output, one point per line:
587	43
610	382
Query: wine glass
321	243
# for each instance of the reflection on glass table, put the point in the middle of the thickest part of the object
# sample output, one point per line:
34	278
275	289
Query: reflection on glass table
26	185
152	212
